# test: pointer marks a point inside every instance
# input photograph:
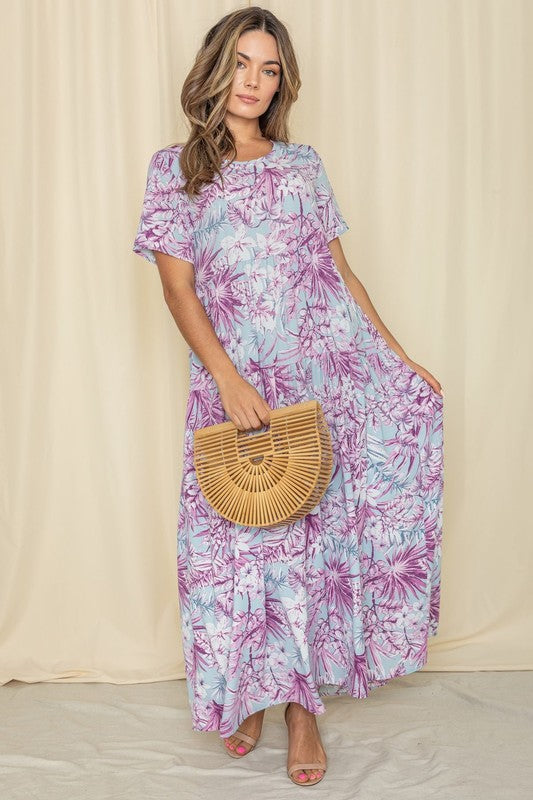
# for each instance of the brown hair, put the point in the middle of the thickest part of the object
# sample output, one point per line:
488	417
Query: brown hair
207	88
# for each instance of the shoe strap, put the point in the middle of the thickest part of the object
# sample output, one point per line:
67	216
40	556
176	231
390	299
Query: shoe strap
244	736
315	765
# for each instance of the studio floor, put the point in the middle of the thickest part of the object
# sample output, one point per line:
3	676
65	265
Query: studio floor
452	736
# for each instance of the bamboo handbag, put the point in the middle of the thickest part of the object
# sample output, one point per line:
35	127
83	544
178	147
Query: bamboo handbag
268	477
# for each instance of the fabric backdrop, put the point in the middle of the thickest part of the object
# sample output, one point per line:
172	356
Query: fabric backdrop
422	114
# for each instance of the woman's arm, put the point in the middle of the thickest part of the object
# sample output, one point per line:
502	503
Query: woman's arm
241	401
360	295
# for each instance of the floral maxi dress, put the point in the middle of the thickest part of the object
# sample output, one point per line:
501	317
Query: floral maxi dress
344	599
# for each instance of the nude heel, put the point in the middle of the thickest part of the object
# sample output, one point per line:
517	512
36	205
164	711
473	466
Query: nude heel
291	768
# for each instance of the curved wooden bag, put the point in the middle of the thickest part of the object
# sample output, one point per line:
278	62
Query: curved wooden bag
264	478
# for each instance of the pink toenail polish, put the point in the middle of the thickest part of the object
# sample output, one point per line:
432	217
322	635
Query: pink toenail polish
241	749
232	747
302	776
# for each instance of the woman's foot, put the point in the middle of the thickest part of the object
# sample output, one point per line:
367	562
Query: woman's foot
252	726
305	745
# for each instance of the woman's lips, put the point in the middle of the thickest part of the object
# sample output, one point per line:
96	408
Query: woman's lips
247	99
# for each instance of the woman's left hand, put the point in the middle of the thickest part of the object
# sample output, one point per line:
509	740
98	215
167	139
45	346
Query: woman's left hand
424	373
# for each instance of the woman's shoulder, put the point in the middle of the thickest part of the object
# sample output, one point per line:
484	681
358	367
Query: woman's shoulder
302	151
169	151
165	161
300	146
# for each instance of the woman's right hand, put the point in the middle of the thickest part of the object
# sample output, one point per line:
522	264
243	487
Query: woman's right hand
243	404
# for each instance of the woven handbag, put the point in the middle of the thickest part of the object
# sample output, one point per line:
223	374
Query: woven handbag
265	478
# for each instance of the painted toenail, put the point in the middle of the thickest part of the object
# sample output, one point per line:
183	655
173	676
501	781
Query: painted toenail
241	749
232	747
302	776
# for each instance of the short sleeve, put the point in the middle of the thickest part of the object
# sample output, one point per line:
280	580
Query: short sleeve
332	220
166	222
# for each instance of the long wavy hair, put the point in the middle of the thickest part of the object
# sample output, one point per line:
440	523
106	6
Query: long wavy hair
207	89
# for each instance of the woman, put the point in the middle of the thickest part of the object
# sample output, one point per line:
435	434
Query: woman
243	226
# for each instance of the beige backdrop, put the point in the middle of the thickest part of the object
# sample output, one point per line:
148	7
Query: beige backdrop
421	110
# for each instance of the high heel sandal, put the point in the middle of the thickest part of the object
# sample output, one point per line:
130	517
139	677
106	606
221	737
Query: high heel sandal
315	765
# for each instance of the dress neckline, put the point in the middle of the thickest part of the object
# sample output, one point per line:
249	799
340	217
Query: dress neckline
266	156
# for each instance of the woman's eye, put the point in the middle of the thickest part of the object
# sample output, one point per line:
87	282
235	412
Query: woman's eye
272	71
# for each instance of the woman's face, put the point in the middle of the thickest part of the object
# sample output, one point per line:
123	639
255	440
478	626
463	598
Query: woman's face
257	74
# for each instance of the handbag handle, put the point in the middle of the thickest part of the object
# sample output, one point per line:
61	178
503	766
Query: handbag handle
252	432
254	445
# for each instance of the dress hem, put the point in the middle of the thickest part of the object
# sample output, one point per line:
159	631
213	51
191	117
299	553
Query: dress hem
321	708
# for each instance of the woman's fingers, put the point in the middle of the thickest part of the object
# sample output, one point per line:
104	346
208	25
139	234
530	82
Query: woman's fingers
256	415
244	405
426	374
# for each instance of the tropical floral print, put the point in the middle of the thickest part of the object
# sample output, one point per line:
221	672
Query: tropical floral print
344	599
